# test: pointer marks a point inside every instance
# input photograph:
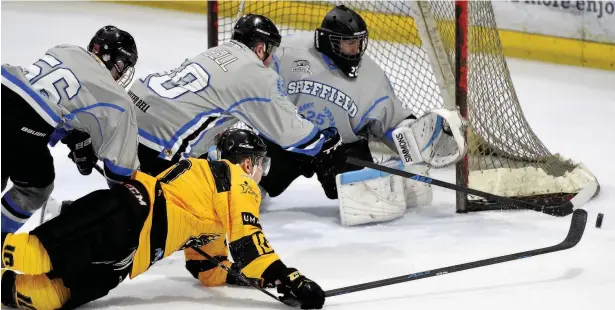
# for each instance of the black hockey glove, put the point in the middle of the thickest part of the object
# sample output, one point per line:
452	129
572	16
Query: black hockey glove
297	286
326	171
330	153
330	161
332	141
81	151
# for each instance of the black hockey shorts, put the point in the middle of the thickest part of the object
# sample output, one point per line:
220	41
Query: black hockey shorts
26	159
92	243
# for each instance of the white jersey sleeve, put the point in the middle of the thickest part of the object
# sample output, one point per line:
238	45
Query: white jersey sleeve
181	112
71	90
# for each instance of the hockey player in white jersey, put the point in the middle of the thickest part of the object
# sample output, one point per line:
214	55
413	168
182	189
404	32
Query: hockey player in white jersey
74	95
334	84
181	112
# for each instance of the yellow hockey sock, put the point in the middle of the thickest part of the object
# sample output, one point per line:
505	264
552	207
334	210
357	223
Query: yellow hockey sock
32	291
25	253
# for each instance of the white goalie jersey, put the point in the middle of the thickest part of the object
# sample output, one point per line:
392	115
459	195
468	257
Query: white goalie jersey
364	108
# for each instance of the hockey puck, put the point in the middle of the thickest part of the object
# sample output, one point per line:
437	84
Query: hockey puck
599	220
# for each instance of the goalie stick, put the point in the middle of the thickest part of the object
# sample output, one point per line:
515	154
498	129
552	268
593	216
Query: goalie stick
289	301
575	233
560	210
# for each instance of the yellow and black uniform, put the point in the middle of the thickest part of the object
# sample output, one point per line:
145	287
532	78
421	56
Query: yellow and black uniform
225	203
107	235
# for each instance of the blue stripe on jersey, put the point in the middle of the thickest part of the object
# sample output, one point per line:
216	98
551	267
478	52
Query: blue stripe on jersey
32	94
9	225
117	169
389	134
71	115
190	124
169	144
379	100
309	137
202	134
14	207
257	99
57	135
148	136
312	151
275	62
329	62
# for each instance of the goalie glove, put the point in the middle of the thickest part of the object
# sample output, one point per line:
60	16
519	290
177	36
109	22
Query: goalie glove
436	139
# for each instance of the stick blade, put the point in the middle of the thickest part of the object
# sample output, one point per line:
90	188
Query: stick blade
577	228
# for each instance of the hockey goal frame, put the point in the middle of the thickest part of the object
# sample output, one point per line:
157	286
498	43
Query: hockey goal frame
453	83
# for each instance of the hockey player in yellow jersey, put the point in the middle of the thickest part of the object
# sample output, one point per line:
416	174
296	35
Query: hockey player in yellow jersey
107	235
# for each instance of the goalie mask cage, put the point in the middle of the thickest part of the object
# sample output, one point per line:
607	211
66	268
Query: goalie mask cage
425	48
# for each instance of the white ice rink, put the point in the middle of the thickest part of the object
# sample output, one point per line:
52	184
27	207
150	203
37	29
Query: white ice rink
571	109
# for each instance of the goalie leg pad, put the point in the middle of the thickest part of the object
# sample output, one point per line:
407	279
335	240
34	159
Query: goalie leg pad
417	193
371	196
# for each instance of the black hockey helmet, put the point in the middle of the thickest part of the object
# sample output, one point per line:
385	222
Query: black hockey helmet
117	49
342	26
251	29
236	144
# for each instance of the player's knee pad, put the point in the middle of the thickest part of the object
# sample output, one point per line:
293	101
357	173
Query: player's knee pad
417	193
18	204
369	196
28	199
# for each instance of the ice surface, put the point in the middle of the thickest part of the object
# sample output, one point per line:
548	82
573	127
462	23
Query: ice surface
571	109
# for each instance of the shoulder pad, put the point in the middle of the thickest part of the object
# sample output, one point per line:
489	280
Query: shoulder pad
222	175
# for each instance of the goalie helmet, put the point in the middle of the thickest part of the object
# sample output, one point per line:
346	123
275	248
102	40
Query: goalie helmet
235	145
251	29
117	49
342	36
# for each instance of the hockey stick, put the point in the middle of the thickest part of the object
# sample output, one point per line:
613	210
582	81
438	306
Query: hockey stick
238	275
575	233
99	169
560	210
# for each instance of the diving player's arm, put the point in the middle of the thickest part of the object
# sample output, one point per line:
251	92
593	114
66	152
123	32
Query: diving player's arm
250	249
206	271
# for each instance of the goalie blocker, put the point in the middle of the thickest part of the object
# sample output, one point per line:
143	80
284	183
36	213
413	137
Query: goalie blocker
434	140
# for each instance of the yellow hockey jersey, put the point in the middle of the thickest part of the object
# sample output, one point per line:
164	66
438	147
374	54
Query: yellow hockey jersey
200	203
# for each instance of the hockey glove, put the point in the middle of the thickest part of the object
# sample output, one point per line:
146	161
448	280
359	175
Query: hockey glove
297	286
81	151
330	153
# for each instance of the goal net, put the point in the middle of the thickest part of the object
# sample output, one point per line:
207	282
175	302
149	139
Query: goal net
414	42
